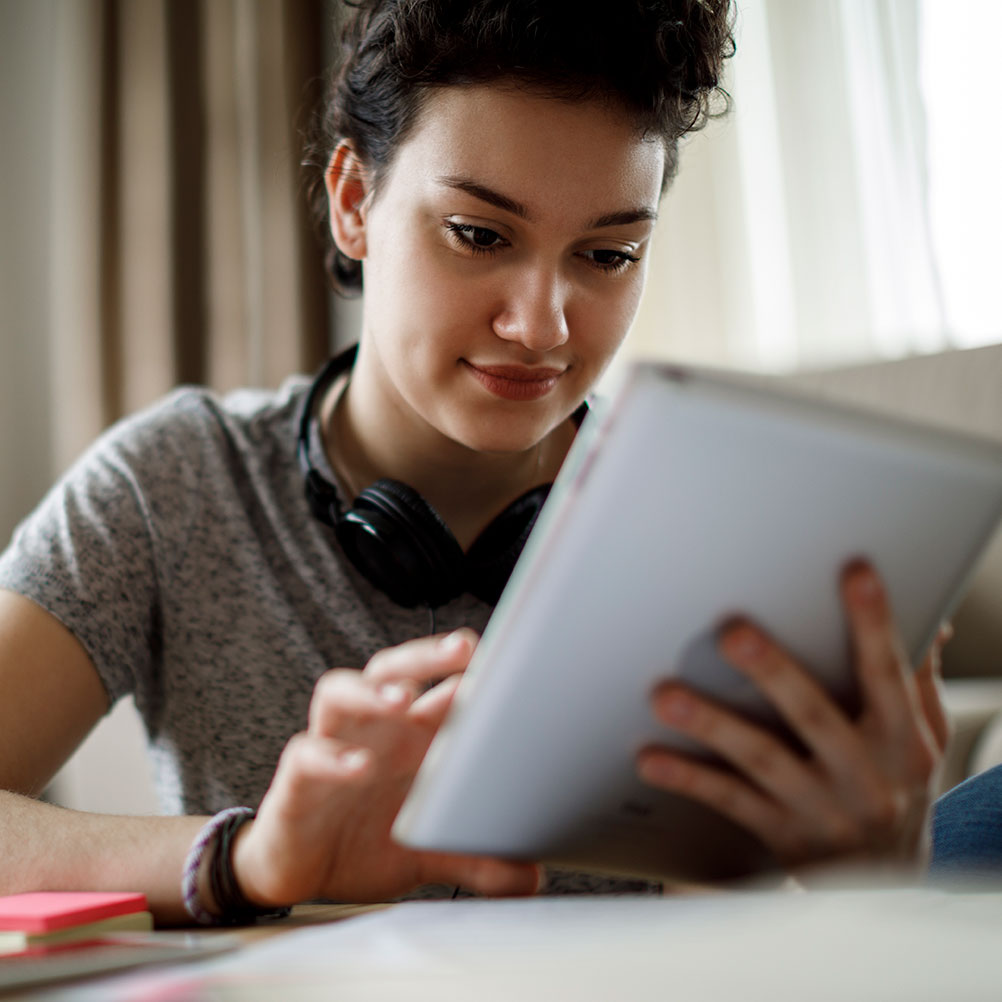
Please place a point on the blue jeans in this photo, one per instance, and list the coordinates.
(967, 832)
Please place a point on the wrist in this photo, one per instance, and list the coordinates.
(211, 891)
(248, 871)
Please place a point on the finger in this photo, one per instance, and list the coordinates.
(802, 702)
(756, 753)
(432, 707)
(725, 793)
(881, 664)
(310, 765)
(893, 705)
(483, 875)
(822, 831)
(928, 682)
(425, 659)
(344, 696)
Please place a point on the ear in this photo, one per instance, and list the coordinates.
(347, 186)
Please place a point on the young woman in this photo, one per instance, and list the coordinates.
(494, 169)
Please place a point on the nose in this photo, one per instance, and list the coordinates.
(534, 311)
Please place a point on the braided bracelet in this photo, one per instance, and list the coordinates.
(234, 908)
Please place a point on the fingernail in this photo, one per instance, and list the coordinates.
(744, 644)
(538, 879)
(658, 768)
(865, 587)
(677, 707)
(452, 642)
(395, 695)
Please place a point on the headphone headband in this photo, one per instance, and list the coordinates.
(320, 492)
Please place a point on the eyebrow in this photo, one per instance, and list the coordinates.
(622, 217)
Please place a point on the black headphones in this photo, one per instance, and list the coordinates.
(399, 542)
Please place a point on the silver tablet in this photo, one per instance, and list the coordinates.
(695, 497)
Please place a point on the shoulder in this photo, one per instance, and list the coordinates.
(192, 415)
(194, 455)
(194, 426)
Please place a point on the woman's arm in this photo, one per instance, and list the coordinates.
(43, 847)
(50, 698)
(323, 829)
(50, 695)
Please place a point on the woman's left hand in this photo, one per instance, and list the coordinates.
(861, 794)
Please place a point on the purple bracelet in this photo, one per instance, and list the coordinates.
(189, 880)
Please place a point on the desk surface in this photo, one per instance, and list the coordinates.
(907, 945)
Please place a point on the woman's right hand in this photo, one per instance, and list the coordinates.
(323, 827)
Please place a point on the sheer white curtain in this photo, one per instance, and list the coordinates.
(962, 89)
(799, 234)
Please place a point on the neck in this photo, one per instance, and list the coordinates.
(367, 440)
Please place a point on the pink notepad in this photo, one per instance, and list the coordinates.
(45, 911)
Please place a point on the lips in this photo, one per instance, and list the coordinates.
(515, 382)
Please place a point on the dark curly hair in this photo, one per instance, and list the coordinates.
(661, 59)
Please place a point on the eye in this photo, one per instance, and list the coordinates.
(611, 261)
(479, 239)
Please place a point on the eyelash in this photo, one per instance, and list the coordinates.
(462, 234)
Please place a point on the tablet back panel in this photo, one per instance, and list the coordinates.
(696, 498)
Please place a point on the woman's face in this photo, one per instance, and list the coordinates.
(504, 257)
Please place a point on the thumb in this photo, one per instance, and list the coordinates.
(494, 878)
(927, 681)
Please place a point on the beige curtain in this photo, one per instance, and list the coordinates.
(182, 250)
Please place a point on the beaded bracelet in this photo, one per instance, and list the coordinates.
(233, 906)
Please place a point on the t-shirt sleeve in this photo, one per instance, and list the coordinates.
(99, 549)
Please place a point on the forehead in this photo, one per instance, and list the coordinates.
(552, 154)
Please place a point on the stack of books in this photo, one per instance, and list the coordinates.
(50, 936)
(48, 919)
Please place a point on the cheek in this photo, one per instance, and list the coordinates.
(604, 320)
(413, 289)
(630, 302)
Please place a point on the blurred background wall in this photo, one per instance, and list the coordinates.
(25, 241)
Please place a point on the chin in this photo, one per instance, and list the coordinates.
(501, 428)
(501, 445)
(503, 436)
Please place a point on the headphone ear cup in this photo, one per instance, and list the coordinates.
(493, 555)
(400, 543)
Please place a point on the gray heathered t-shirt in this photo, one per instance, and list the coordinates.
(181, 552)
